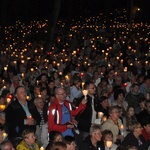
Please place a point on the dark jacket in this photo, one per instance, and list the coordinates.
(84, 119)
(15, 116)
(131, 140)
(37, 117)
(87, 145)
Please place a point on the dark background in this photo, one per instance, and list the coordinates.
(26, 10)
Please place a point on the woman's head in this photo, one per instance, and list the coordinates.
(130, 111)
(118, 94)
(55, 136)
(136, 128)
(114, 112)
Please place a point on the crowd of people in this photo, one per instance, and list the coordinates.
(90, 92)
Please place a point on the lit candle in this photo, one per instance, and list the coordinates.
(104, 118)
(125, 69)
(5, 68)
(28, 97)
(85, 92)
(122, 129)
(4, 135)
(32, 69)
(108, 144)
(42, 148)
(100, 115)
(29, 117)
(39, 95)
(22, 75)
(8, 100)
(83, 85)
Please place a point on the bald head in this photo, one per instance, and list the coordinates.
(60, 94)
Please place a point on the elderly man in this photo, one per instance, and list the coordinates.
(60, 113)
(18, 115)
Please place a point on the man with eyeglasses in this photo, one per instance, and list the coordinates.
(60, 113)
(88, 116)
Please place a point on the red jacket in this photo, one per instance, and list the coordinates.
(55, 115)
(145, 134)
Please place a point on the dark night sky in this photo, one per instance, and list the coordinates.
(40, 9)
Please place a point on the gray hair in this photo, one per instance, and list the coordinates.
(94, 128)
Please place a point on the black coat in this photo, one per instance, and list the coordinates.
(87, 145)
(15, 116)
(84, 119)
(131, 140)
(36, 115)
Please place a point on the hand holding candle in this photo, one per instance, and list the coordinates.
(30, 121)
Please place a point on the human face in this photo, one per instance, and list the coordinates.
(59, 138)
(147, 128)
(71, 146)
(97, 135)
(136, 89)
(120, 97)
(2, 120)
(91, 89)
(105, 103)
(21, 94)
(51, 85)
(131, 111)
(108, 137)
(138, 129)
(37, 90)
(9, 146)
(115, 114)
(39, 103)
(61, 95)
(30, 138)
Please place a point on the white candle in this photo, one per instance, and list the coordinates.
(85, 92)
(4, 135)
(108, 144)
(8, 100)
(100, 115)
(122, 129)
(42, 148)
